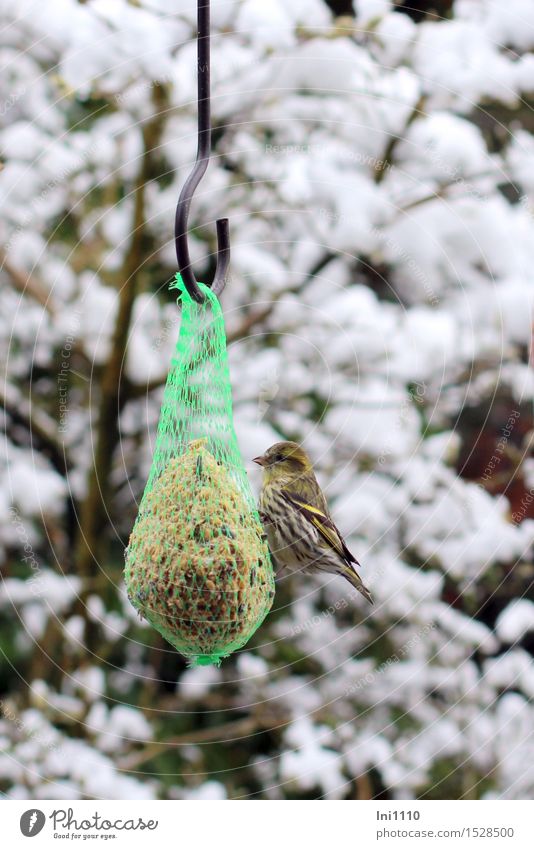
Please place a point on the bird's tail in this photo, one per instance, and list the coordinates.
(350, 573)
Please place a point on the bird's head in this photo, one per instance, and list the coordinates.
(284, 460)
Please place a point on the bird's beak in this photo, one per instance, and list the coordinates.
(261, 461)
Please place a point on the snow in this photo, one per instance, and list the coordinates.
(95, 773)
(444, 146)
(388, 428)
(98, 304)
(510, 26)
(269, 26)
(251, 666)
(371, 10)
(511, 670)
(90, 681)
(379, 182)
(57, 590)
(396, 34)
(196, 682)
(35, 490)
(515, 621)
(311, 764)
(116, 727)
(460, 65)
(212, 791)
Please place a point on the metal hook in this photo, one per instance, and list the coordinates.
(201, 164)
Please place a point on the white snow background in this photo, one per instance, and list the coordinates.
(378, 177)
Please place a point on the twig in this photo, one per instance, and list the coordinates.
(364, 788)
(440, 191)
(38, 425)
(27, 284)
(253, 320)
(134, 391)
(227, 732)
(387, 160)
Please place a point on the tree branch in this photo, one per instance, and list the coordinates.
(27, 284)
(134, 391)
(38, 425)
(386, 162)
(227, 732)
(443, 188)
(96, 507)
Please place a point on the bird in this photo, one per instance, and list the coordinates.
(295, 515)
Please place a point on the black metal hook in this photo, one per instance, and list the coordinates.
(201, 164)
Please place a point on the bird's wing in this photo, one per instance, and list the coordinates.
(324, 524)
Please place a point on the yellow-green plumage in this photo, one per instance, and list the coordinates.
(298, 524)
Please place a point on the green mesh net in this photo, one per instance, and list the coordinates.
(197, 563)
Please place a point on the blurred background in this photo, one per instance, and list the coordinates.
(376, 161)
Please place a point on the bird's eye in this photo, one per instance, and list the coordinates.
(278, 458)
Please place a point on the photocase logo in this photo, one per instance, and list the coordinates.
(32, 822)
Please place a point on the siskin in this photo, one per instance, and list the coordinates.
(299, 528)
